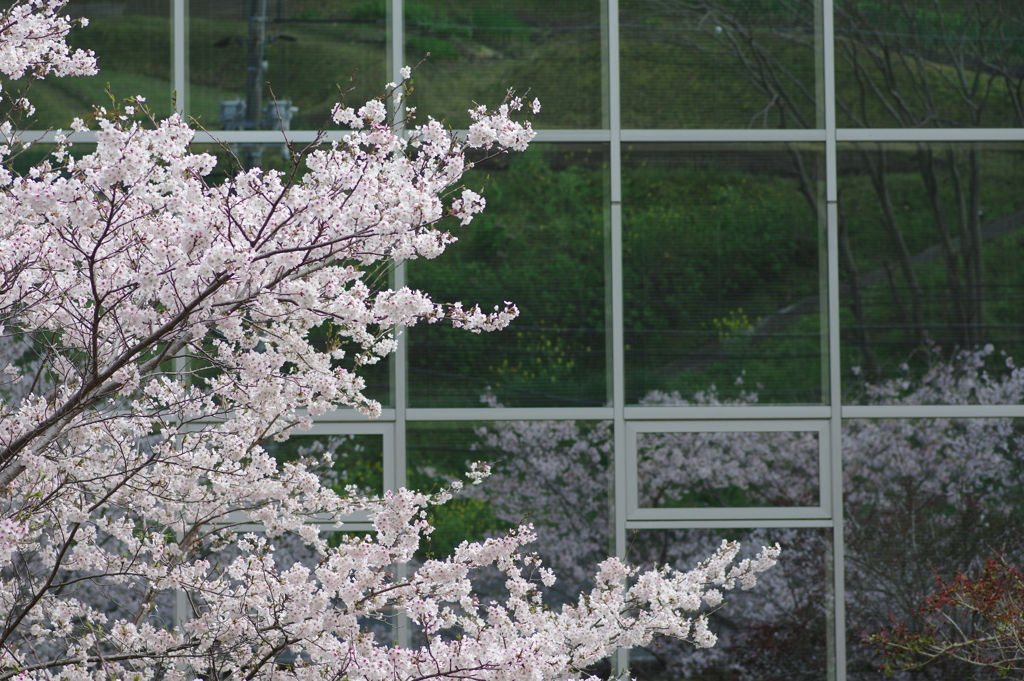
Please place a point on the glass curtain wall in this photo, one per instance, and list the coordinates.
(767, 256)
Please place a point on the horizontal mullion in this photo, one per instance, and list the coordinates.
(342, 414)
(744, 135)
(754, 514)
(512, 414)
(349, 415)
(297, 136)
(237, 519)
(347, 527)
(322, 428)
(573, 136)
(934, 411)
(585, 136)
(929, 134)
(724, 524)
(745, 413)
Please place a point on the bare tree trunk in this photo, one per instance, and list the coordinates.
(892, 228)
(872, 370)
(974, 226)
(926, 158)
(969, 204)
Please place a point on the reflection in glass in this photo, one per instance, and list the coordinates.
(727, 470)
(539, 244)
(720, 64)
(478, 49)
(246, 54)
(723, 271)
(776, 630)
(912, 64)
(340, 460)
(436, 454)
(554, 474)
(930, 245)
(923, 498)
(900, 63)
(132, 42)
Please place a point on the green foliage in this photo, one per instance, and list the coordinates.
(369, 10)
(308, 71)
(435, 48)
(702, 241)
(357, 459)
(133, 54)
(710, 249)
(438, 454)
(540, 243)
(480, 49)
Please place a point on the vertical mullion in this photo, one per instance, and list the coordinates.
(398, 462)
(179, 56)
(401, 391)
(828, 56)
(399, 377)
(396, 59)
(179, 63)
(618, 371)
(396, 48)
(835, 375)
(614, 107)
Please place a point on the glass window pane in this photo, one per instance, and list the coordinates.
(930, 247)
(539, 244)
(244, 54)
(723, 269)
(924, 499)
(132, 42)
(720, 64)
(727, 469)
(921, 63)
(554, 474)
(436, 454)
(480, 48)
(776, 630)
(342, 460)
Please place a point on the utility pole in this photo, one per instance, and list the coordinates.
(255, 64)
(250, 113)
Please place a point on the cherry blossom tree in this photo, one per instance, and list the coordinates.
(158, 327)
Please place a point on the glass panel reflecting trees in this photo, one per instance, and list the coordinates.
(914, 63)
(924, 499)
(721, 64)
(475, 50)
(727, 469)
(723, 271)
(541, 245)
(930, 237)
(132, 41)
(246, 54)
(776, 630)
